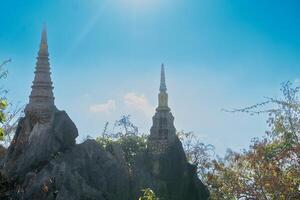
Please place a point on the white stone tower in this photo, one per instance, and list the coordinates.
(41, 100)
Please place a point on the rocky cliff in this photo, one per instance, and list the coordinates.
(169, 175)
(43, 162)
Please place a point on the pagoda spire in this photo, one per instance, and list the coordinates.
(162, 132)
(163, 87)
(163, 95)
(41, 99)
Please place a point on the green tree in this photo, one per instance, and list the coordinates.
(197, 153)
(3, 100)
(9, 114)
(148, 194)
(270, 168)
(126, 135)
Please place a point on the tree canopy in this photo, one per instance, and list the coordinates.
(270, 168)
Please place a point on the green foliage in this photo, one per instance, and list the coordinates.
(3, 100)
(9, 114)
(148, 194)
(130, 144)
(270, 168)
(3, 106)
(197, 153)
(1, 134)
(127, 137)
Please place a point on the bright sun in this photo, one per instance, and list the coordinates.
(140, 4)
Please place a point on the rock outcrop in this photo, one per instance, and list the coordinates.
(169, 175)
(43, 162)
(2, 152)
(34, 144)
(85, 172)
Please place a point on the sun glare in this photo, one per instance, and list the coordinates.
(140, 4)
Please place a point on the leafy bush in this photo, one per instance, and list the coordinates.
(9, 114)
(148, 194)
(3, 101)
(127, 137)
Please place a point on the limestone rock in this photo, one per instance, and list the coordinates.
(179, 176)
(2, 152)
(44, 162)
(35, 144)
(169, 175)
(85, 172)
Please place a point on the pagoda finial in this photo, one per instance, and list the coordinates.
(163, 87)
(44, 45)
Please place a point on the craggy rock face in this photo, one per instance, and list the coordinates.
(2, 152)
(179, 176)
(169, 175)
(85, 172)
(43, 162)
(34, 145)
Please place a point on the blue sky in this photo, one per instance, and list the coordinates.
(106, 55)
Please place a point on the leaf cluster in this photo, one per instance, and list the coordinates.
(127, 137)
(148, 194)
(9, 114)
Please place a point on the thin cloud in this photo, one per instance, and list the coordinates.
(297, 81)
(139, 103)
(105, 108)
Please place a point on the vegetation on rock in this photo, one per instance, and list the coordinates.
(269, 169)
(148, 194)
(125, 135)
(9, 114)
(3, 100)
